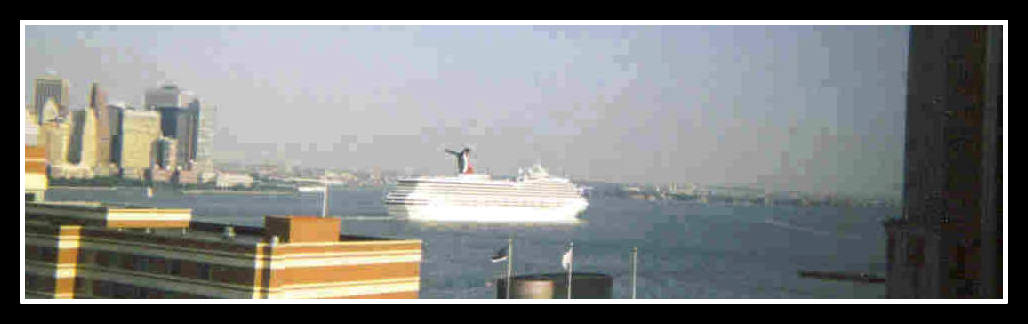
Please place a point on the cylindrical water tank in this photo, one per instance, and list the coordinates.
(554, 286)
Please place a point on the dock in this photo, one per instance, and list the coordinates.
(863, 277)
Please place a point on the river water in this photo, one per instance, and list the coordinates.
(685, 250)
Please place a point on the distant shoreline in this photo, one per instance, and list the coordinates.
(104, 188)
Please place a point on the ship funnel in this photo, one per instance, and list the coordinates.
(463, 160)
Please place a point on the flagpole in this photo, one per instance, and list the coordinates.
(571, 267)
(510, 259)
(635, 261)
(324, 196)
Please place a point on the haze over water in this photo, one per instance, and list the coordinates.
(706, 104)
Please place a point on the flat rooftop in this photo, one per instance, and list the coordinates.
(177, 223)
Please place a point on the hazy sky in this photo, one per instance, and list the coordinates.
(643, 103)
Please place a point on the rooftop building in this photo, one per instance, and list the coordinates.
(35, 173)
(52, 87)
(139, 131)
(95, 250)
(167, 95)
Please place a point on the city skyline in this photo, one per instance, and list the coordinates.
(640, 103)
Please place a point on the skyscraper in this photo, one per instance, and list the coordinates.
(82, 148)
(114, 122)
(140, 129)
(164, 153)
(948, 242)
(51, 86)
(101, 116)
(207, 124)
(181, 124)
(167, 95)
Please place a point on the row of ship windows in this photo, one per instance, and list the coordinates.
(504, 203)
(488, 188)
(508, 196)
(493, 188)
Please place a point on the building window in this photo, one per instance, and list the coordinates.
(103, 289)
(114, 260)
(175, 267)
(140, 263)
(102, 258)
(157, 265)
(204, 271)
(124, 291)
(140, 292)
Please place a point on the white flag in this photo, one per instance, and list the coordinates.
(566, 260)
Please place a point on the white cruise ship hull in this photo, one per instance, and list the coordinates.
(490, 214)
(476, 198)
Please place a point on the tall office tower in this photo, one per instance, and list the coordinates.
(52, 86)
(82, 148)
(948, 242)
(180, 124)
(31, 127)
(54, 134)
(140, 129)
(55, 138)
(167, 95)
(114, 117)
(101, 116)
(205, 137)
(164, 153)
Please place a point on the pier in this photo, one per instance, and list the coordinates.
(843, 275)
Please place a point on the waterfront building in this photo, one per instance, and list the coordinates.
(36, 181)
(105, 130)
(948, 241)
(160, 175)
(186, 177)
(82, 148)
(140, 129)
(115, 114)
(229, 180)
(94, 250)
(53, 87)
(207, 176)
(206, 125)
(180, 123)
(31, 127)
(70, 143)
(54, 135)
(164, 153)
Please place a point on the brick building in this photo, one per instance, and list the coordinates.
(93, 250)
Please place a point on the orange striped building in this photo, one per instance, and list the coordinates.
(35, 173)
(92, 250)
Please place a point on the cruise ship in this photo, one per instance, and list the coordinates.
(533, 197)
